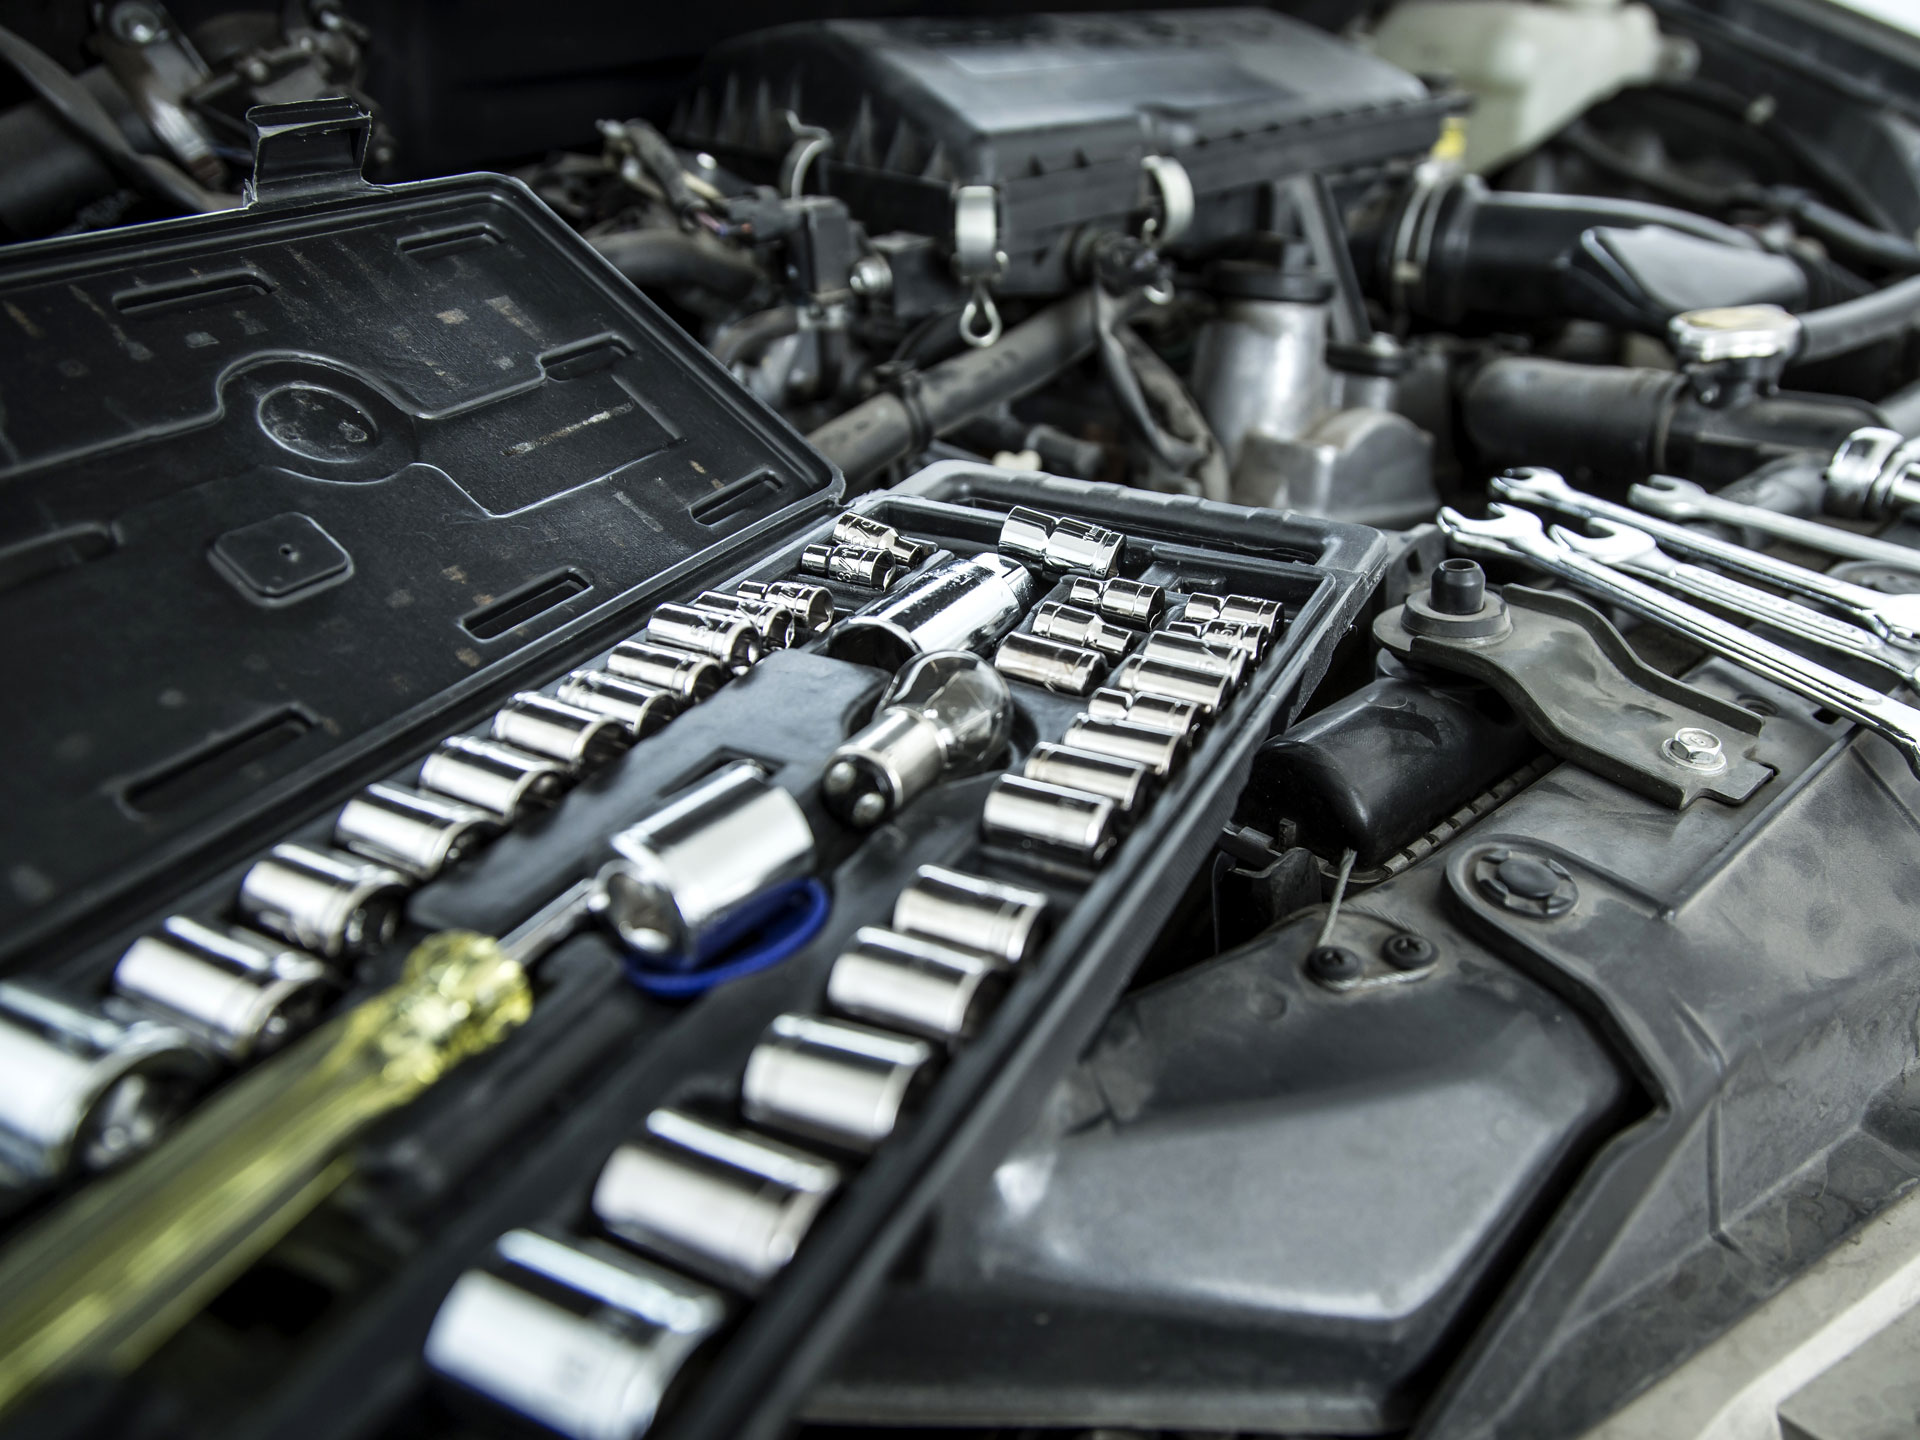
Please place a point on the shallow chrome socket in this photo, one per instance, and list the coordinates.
(724, 1203)
(325, 901)
(502, 780)
(577, 1335)
(80, 1089)
(1020, 812)
(577, 737)
(991, 917)
(1225, 636)
(1129, 602)
(810, 605)
(1065, 669)
(1194, 653)
(773, 623)
(1265, 616)
(1074, 626)
(1205, 690)
(1127, 783)
(1152, 712)
(873, 569)
(641, 708)
(416, 833)
(1060, 544)
(241, 993)
(912, 983)
(681, 673)
(863, 532)
(1158, 750)
(734, 642)
(845, 1084)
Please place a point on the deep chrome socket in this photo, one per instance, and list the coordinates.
(678, 672)
(1127, 601)
(1158, 750)
(773, 623)
(1205, 690)
(1194, 653)
(810, 605)
(873, 569)
(733, 642)
(325, 901)
(911, 983)
(579, 1336)
(1074, 626)
(243, 994)
(577, 737)
(1021, 812)
(1152, 712)
(1264, 615)
(847, 1085)
(83, 1090)
(502, 780)
(416, 833)
(1127, 783)
(863, 532)
(1066, 669)
(641, 708)
(1060, 544)
(727, 1204)
(996, 919)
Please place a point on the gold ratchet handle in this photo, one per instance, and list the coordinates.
(105, 1278)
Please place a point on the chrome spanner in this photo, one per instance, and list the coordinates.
(1514, 534)
(1682, 500)
(1636, 553)
(1895, 616)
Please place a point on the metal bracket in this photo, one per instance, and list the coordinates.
(1175, 188)
(1589, 699)
(978, 259)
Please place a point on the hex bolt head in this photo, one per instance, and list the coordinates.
(1333, 964)
(1407, 951)
(1697, 749)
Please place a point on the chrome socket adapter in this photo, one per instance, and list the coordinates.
(578, 1336)
(986, 916)
(1128, 602)
(241, 993)
(847, 1085)
(1061, 544)
(911, 983)
(1053, 664)
(1152, 712)
(417, 834)
(502, 780)
(810, 605)
(641, 708)
(1205, 690)
(1073, 626)
(1021, 812)
(727, 1204)
(329, 903)
(578, 738)
(945, 714)
(1127, 783)
(681, 673)
(734, 642)
(963, 605)
(870, 569)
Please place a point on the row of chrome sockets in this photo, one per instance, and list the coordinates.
(83, 1086)
(585, 1336)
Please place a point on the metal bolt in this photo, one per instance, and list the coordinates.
(1407, 951)
(1333, 964)
(871, 275)
(1697, 749)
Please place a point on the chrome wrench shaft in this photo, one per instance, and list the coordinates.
(1682, 500)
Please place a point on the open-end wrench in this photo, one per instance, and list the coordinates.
(1682, 500)
(1514, 534)
(1634, 552)
(1895, 616)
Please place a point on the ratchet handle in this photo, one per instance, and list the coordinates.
(105, 1278)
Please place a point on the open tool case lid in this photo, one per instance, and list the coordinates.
(281, 487)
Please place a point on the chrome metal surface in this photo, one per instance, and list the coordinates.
(874, 569)
(1021, 812)
(1068, 669)
(1682, 500)
(734, 643)
(827, 1080)
(503, 780)
(1060, 544)
(774, 624)
(1130, 602)
(641, 708)
(1196, 654)
(678, 672)
(325, 901)
(963, 605)
(911, 983)
(1263, 615)
(1205, 690)
(1158, 750)
(1127, 783)
(989, 916)
(855, 531)
(419, 834)
(576, 736)
(1180, 718)
(945, 714)
(1074, 626)
(810, 605)
(238, 992)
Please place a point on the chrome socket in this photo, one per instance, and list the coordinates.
(1021, 812)
(579, 1335)
(733, 642)
(1205, 690)
(810, 605)
(1263, 615)
(724, 1203)
(701, 860)
(962, 605)
(332, 904)
(847, 1085)
(641, 708)
(241, 993)
(418, 835)
(1158, 750)
(773, 623)
(578, 738)
(1073, 626)
(872, 569)
(502, 780)
(863, 532)
(1152, 712)
(911, 983)
(1060, 544)
(1128, 602)
(1228, 637)
(990, 917)
(1195, 654)
(681, 673)
(83, 1090)
(1127, 783)
(1065, 669)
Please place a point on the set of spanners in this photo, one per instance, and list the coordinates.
(1682, 500)
(1515, 534)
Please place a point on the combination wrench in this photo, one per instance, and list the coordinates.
(1682, 500)
(1896, 617)
(1513, 534)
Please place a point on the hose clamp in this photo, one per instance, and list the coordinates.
(978, 260)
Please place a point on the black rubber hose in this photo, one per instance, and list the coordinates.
(663, 259)
(745, 339)
(887, 428)
(1856, 324)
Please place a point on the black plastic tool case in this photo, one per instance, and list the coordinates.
(324, 1337)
